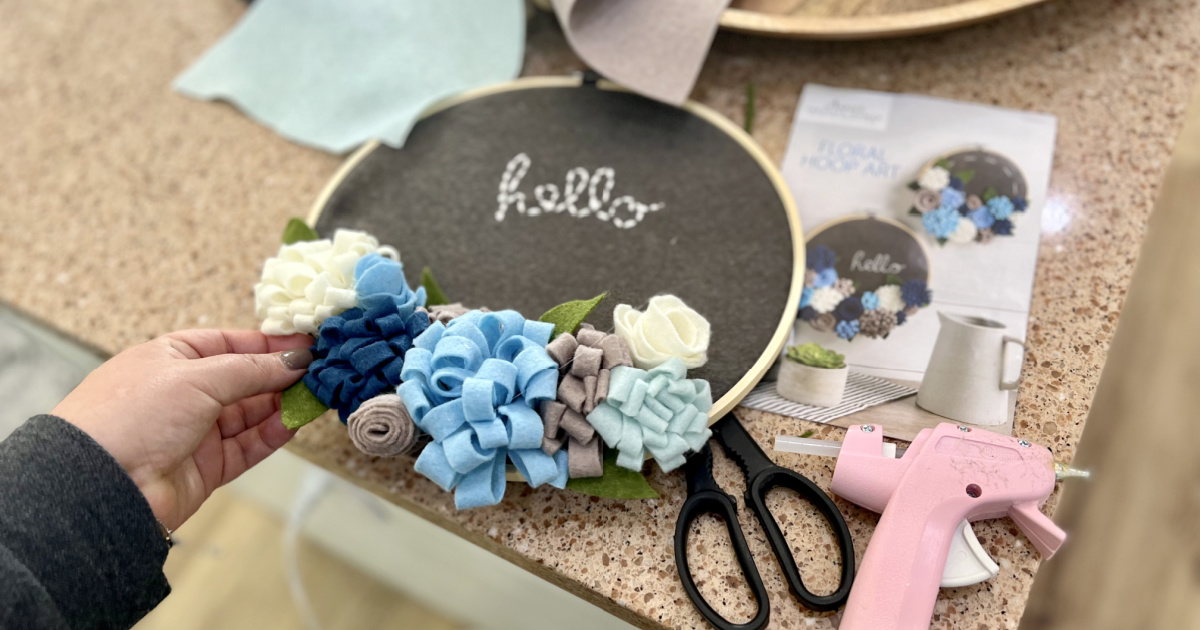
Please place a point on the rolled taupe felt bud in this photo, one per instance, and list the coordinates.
(382, 427)
(576, 426)
(446, 312)
(615, 352)
(590, 385)
(585, 459)
(589, 336)
(586, 361)
(552, 413)
(562, 349)
(553, 445)
(571, 392)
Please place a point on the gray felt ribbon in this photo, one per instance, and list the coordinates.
(585, 360)
(382, 427)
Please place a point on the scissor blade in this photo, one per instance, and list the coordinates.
(740, 447)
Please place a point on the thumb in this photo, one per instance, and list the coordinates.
(228, 378)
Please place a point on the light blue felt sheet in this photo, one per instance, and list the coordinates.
(333, 74)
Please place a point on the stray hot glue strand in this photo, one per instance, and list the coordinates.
(382, 427)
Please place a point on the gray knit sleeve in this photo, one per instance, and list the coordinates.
(79, 546)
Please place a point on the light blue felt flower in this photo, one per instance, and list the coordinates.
(472, 385)
(825, 278)
(1001, 207)
(848, 329)
(659, 410)
(870, 301)
(941, 223)
(806, 296)
(952, 198)
(981, 217)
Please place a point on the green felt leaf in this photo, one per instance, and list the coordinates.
(433, 293)
(914, 212)
(297, 230)
(914, 186)
(989, 193)
(892, 278)
(808, 433)
(567, 317)
(966, 176)
(941, 241)
(750, 107)
(616, 483)
(944, 163)
(299, 406)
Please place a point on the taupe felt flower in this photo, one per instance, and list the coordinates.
(974, 202)
(824, 322)
(876, 323)
(382, 427)
(585, 361)
(926, 200)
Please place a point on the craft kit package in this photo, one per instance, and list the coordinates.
(855, 152)
(923, 219)
(612, 274)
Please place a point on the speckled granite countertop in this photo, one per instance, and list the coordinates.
(129, 211)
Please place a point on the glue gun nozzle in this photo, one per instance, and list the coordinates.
(1063, 471)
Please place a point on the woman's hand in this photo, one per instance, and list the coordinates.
(188, 412)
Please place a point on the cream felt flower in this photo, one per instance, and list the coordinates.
(309, 281)
(825, 299)
(668, 328)
(890, 298)
(964, 233)
(935, 178)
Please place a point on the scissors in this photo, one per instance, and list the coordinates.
(762, 475)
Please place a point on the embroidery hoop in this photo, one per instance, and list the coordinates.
(871, 216)
(782, 330)
(976, 148)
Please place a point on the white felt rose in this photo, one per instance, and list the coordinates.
(889, 295)
(825, 299)
(309, 281)
(668, 328)
(965, 232)
(935, 178)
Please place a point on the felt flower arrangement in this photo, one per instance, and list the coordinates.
(832, 304)
(470, 390)
(948, 213)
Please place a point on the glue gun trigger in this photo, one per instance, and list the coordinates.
(967, 563)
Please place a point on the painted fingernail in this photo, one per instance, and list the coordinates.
(296, 359)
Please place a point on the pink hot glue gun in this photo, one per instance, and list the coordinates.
(949, 475)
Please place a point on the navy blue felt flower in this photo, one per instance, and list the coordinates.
(915, 293)
(808, 313)
(820, 258)
(901, 317)
(849, 309)
(956, 183)
(1002, 227)
(1019, 204)
(359, 353)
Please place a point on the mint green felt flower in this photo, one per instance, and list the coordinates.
(658, 410)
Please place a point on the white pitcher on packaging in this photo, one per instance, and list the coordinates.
(965, 377)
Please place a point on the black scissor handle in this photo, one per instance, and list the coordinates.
(779, 477)
(721, 504)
